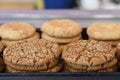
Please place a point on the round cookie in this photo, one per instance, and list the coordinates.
(61, 28)
(104, 31)
(118, 51)
(93, 68)
(88, 53)
(111, 42)
(16, 30)
(8, 42)
(32, 53)
(57, 68)
(111, 69)
(60, 40)
(33, 68)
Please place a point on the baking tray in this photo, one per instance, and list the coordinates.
(37, 18)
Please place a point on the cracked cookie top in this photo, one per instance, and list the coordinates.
(32, 53)
(88, 52)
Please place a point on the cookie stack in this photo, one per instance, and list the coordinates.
(108, 32)
(17, 31)
(32, 56)
(118, 53)
(89, 56)
(61, 31)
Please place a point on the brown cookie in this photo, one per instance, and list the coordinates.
(111, 69)
(36, 52)
(92, 68)
(32, 68)
(56, 68)
(111, 42)
(88, 53)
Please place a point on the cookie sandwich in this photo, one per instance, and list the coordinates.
(108, 32)
(89, 56)
(12, 32)
(32, 56)
(61, 31)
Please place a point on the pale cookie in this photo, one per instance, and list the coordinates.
(88, 52)
(8, 42)
(62, 28)
(33, 53)
(56, 68)
(16, 30)
(93, 68)
(60, 40)
(104, 31)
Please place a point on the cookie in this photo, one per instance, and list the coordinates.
(8, 42)
(35, 52)
(104, 31)
(93, 68)
(111, 69)
(1, 46)
(33, 68)
(16, 30)
(60, 40)
(57, 68)
(61, 28)
(111, 42)
(118, 51)
(88, 53)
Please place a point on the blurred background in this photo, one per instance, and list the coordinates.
(38, 11)
(59, 4)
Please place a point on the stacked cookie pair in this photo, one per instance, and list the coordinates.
(89, 56)
(61, 31)
(17, 31)
(118, 53)
(32, 56)
(108, 32)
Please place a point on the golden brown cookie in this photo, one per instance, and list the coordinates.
(111, 69)
(61, 28)
(88, 52)
(104, 31)
(8, 42)
(93, 68)
(36, 52)
(118, 51)
(56, 68)
(16, 30)
(33, 68)
(111, 42)
(60, 40)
